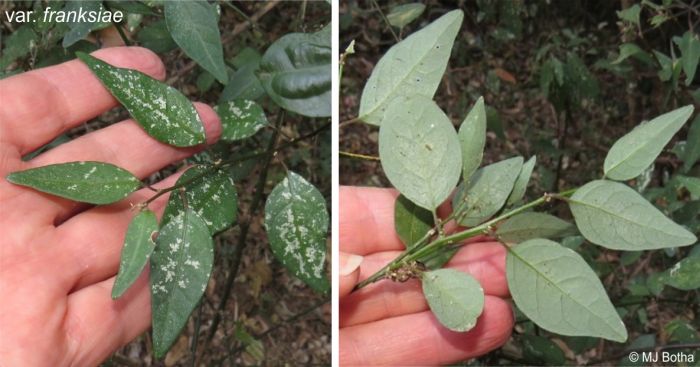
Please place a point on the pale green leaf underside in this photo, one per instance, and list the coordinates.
(401, 15)
(526, 226)
(635, 151)
(615, 216)
(85, 181)
(213, 198)
(413, 66)
(180, 268)
(138, 246)
(419, 151)
(296, 72)
(165, 113)
(411, 222)
(555, 288)
(685, 274)
(472, 138)
(520, 186)
(240, 119)
(488, 190)
(455, 298)
(296, 221)
(193, 26)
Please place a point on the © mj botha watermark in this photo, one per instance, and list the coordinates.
(662, 356)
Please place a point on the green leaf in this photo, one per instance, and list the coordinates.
(472, 138)
(194, 27)
(692, 184)
(88, 182)
(521, 182)
(554, 287)
(180, 268)
(630, 14)
(296, 72)
(138, 246)
(685, 274)
(455, 298)
(690, 51)
(635, 151)
(240, 119)
(413, 66)
(79, 29)
(487, 191)
(254, 347)
(615, 216)
(526, 226)
(213, 198)
(166, 114)
(401, 15)
(244, 84)
(156, 37)
(18, 44)
(540, 350)
(628, 50)
(419, 151)
(296, 220)
(411, 222)
(691, 152)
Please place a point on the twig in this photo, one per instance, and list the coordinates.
(358, 156)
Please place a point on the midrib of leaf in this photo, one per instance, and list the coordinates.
(637, 149)
(554, 285)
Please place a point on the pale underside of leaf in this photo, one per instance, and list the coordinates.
(557, 290)
(615, 216)
(526, 226)
(413, 66)
(520, 186)
(455, 298)
(472, 138)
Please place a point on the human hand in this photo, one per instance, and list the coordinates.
(58, 258)
(387, 323)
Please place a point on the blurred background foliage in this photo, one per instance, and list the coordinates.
(563, 80)
(253, 311)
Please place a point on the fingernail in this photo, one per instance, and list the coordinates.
(352, 262)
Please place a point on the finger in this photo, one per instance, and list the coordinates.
(419, 339)
(349, 272)
(97, 325)
(41, 104)
(94, 239)
(126, 145)
(367, 220)
(384, 299)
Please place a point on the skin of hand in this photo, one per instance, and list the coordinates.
(58, 258)
(390, 323)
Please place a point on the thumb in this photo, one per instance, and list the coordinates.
(349, 272)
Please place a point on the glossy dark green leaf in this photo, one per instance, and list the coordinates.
(79, 29)
(526, 226)
(411, 222)
(88, 182)
(401, 15)
(472, 138)
(414, 66)
(180, 268)
(296, 220)
(615, 216)
(194, 27)
(635, 151)
(487, 191)
(554, 287)
(165, 113)
(138, 246)
(240, 119)
(691, 152)
(419, 151)
(521, 182)
(213, 198)
(685, 274)
(456, 298)
(296, 72)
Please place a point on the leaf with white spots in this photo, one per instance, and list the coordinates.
(165, 113)
(180, 268)
(296, 220)
(558, 290)
(88, 182)
(456, 298)
(240, 119)
(138, 246)
(211, 195)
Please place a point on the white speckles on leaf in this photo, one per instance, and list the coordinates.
(240, 119)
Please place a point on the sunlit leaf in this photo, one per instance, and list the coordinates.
(138, 246)
(455, 298)
(555, 288)
(165, 114)
(88, 182)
